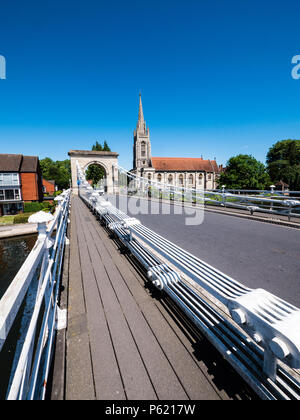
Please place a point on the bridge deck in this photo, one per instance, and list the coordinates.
(124, 339)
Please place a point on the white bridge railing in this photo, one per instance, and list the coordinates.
(272, 202)
(266, 355)
(32, 296)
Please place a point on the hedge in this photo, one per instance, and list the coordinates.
(21, 218)
(33, 207)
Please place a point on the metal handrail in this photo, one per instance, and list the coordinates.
(277, 203)
(272, 323)
(40, 274)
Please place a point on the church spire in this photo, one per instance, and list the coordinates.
(141, 121)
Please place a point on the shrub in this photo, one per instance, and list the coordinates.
(57, 193)
(46, 205)
(49, 206)
(33, 207)
(21, 218)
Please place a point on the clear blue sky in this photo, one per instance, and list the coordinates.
(215, 76)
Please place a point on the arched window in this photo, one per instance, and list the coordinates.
(149, 176)
(159, 177)
(191, 179)
(180, 179)
(143, 149)
(170, 179)
(200, 178)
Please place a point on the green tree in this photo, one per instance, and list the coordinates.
(95, 173)
(244, 172)
(283, 163)
(58, 171)
(99, 148)
(106, 147)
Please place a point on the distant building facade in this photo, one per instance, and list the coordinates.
(49, 187)
(180, 172)
(20, 181)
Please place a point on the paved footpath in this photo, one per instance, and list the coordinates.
(126, 340)
(9, 231)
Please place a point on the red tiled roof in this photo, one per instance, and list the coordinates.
(184, 164)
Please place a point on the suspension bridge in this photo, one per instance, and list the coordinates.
(130, 296)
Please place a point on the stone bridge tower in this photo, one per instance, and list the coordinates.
(106, 160)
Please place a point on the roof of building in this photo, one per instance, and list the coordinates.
(29, 164)
(184, 164)
(10, 163)
(91, 153)
(49, 181)
(281, 183)
(18, 163)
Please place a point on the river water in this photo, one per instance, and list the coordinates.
(13, 253)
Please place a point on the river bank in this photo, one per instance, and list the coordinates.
(10, 231)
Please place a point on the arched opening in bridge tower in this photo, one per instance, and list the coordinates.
(96, 175)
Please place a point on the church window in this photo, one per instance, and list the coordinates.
(143, 149)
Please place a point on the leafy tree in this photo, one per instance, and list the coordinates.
(58, 171)
(95, 173)
(99, 148)
(283, 163)
(106, 147)
(244, 172)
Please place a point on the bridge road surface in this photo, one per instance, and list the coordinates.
(125, 339)
(257, 254)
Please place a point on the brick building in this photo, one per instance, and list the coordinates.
(20, 181)
(49, 187)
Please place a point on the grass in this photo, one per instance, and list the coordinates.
(9, 220)
(6, 220)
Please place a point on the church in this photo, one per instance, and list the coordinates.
(180, 172)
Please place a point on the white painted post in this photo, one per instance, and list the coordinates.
(42, 218)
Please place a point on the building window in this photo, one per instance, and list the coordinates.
(10, 195)
(170, 179)
(209, 177)
(11, 209)
(180, 179)
(143, 149)
(191, 180)
(9, 179)
(159, 177)
(200, 178)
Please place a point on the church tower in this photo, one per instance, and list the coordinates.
(142, 146)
